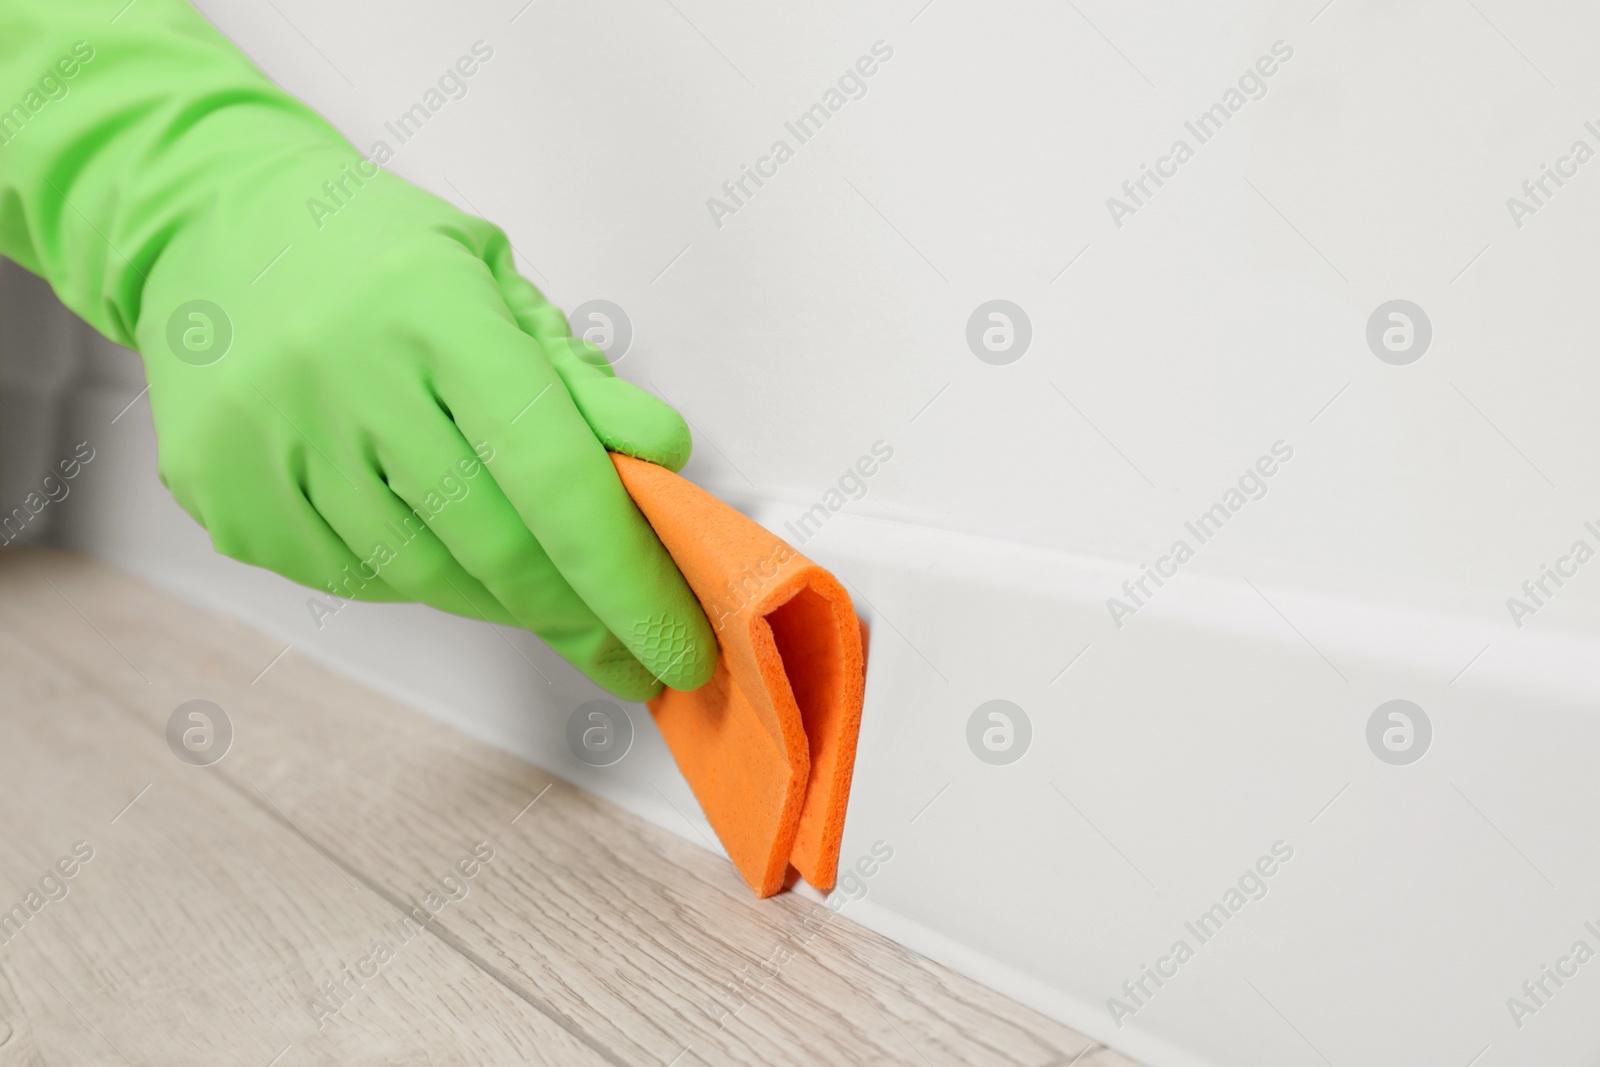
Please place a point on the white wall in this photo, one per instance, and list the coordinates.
(1228, 313)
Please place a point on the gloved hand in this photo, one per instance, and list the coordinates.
(350, 382)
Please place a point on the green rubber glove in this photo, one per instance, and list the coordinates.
(350, 382)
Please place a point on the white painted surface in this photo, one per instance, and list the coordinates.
(1226, 315)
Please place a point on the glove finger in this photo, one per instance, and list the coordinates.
(300, 544)
(304, 548)
(478, 526)
(624, 417)
(557, 476)
(536, 316)
(386, 545)
(392, 542)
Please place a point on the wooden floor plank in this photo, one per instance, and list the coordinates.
(197, 929)
(648, 946)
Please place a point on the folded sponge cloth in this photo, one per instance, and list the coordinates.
(769, 744)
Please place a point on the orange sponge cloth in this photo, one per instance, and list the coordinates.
(769, 744)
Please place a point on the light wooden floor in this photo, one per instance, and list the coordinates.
(220, 900)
